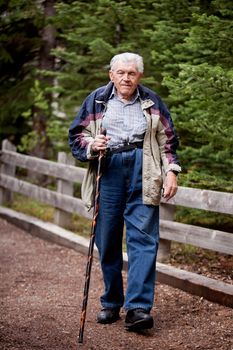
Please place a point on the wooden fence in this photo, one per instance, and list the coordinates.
(66, 174)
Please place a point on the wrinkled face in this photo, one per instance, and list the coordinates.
(125, 77)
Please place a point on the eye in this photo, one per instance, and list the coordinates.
(120, 72)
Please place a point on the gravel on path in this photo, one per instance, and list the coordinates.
(41, 290)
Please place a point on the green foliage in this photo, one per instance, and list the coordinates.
(57, 133)
(31, 207)
(201, 96)
(187, 47)
(38, 103)
(28, 141)
(222, 222)
(90, 34)
(38, 96)
(42, 211)
(204, 99)
(172, 19)
(19, 42)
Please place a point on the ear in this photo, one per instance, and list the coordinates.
(110, 75)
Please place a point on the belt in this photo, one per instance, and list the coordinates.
(126, 147)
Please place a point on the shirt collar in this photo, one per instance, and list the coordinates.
(133, 98)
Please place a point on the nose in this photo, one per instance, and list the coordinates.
(126, 76)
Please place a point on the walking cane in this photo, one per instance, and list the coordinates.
(91, 246)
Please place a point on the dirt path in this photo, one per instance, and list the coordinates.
(41, 293)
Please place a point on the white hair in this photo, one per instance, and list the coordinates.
(127, 57)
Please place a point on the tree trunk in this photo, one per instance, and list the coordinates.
(46, 62)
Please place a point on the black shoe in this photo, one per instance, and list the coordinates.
(108, 315)
(138, 319)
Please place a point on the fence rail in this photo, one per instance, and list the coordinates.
(66, 174)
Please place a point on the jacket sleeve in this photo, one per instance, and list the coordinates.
(168, 140)
(81, 134)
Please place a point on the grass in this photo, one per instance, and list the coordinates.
(32, 207)
(26, 205)
(203, 218)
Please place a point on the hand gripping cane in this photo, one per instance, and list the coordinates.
(91, 246)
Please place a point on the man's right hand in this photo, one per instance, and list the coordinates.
(100, 143)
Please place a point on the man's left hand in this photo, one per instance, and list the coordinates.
(170, 185)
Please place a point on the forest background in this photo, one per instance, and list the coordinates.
(54, 53)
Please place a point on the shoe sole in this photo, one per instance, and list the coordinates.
(139, 325)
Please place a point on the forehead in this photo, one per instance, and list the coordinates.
(125, 66)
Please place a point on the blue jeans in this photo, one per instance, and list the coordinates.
(120, 202)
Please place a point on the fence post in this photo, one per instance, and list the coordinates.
(6, 196)
(61, 217)
(167, 212)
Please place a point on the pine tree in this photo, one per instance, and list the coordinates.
(91, 33)
(187, 51)
(41, 113)
(202, 94)
(19, 42)
(172, 20)
(26, 40)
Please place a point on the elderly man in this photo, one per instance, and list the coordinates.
(140, 151)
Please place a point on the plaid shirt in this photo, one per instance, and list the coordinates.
(124, 122)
